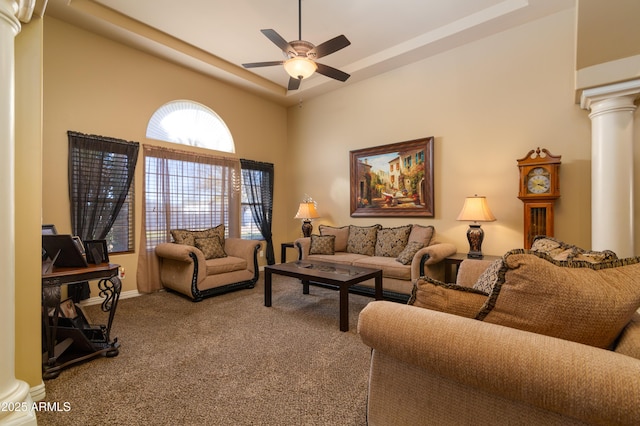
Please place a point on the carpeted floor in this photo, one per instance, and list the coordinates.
(227, 360)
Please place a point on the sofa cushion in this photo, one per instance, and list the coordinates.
(406, 256)
(451, 298)
(227, 264)
(391, 241)
(424, 234)
(322, 244)
(579, 301)
(187, 237)
(362, 239)
(341, 257)
(210, 247)
(390, 268)
(342, 235)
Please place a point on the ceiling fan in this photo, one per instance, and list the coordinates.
(301, 55)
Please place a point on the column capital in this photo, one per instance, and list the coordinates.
(630, 89)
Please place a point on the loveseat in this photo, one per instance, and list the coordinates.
(204, 263)
(552, 342)
(404, 253)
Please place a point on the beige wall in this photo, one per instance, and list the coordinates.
(93, 85)
(487, 104)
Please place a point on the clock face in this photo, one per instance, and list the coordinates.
(538, 181)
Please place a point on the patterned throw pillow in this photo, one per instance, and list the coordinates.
(342, 235)
(322, 244)
(488, 279)
(391, 241)
(406, 256)
(184, 236)
(210, 247)
(362, 239)
(559, 250)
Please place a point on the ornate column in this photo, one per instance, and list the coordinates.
(612, 108)
(14, 394)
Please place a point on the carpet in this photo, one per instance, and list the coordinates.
(227, 360)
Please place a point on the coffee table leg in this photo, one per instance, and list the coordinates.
(305, 286)
(267, 288)
(344, 307)
(378, 286)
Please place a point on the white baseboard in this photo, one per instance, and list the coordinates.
(98, 300)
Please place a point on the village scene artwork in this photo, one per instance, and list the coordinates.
(393, 180)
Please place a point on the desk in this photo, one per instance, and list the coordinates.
(79, 341)
(452, 262)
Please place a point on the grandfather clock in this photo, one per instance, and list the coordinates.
(539, 188)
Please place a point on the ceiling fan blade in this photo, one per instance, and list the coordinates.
(329, 47)
(262, 64)
(294, 83)
(332, 72)
(278, 41)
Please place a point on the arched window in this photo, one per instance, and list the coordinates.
(190, 123)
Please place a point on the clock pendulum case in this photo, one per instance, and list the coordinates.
(539, 188)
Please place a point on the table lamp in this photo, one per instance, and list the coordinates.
(475, 209)
(306, 212)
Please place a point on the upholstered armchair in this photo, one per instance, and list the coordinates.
(187, 270)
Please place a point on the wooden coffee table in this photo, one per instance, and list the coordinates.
(332, 275)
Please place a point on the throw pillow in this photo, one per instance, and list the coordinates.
(182, 236)
(322, 244)
(362, 239)
(342, 235)
(489, 278)
(391, 241)
(423, 234)
(559, 250)
(406, 256)
(451, 298)
(210, 247)
(584, 302)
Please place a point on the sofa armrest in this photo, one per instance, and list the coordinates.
(428, 261)
(186, 260)
(180, 252)
(303, 245)
(587, 383)
(245, 249)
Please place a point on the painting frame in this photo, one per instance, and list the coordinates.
(96, 251)
(394, 180)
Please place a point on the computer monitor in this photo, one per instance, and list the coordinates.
(63, 251)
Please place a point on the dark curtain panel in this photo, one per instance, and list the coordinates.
(101, 170)
(258, 179)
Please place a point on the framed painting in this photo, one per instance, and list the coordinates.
(393, 180)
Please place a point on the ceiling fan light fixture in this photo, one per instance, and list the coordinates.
(299, 67)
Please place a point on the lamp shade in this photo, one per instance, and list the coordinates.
(476, 209)
(299, 67)
(307, 211)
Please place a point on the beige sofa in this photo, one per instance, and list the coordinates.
(379, 247)
(185, 268)
(429, 366)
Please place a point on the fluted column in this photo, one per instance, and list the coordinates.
(14, 394)
(612, 174)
